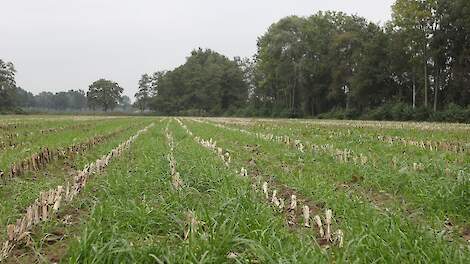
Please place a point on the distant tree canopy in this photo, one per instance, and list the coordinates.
(125, 103)
(312, 65)
(208, 83)
(13, 97)
(7, 85)
(329, 64)
(104, 93)
(72, 100)
(61, 101)
(143, 94)
(332, 62)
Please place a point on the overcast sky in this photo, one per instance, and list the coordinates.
(63, 44)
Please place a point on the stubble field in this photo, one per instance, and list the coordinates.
(229, 190)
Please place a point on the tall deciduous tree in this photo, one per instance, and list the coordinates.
(281, 53)
(7, 84)
(104, 93)
(144, 92)
(454, 39)
(208, 83)
(417, 18)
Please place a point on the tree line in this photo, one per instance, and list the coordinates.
(102, 95)
(207, 84)
(327, 65)
(330, 64)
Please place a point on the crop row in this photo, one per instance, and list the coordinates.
(377, 160)
(446, 187)
(16, 139)
(422, 126)
(370, 222)
(58, 140)
(57, 172)
(450, 141)
(37, 125)
(40, 159)
(214, 218)
(176, 180)
(193, 191)
(278, 195)
(48, 203)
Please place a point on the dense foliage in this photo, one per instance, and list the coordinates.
(203, 189)
(7, 84)
(207, 84)
(104, 93)
(70, 100)
(330, 64)
(415, 67)
(13, 98)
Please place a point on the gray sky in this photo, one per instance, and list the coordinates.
(63, 44)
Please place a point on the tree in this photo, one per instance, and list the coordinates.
(44, 100)
(333, 62)
(104, 93)
(61, 101)
(23, 98)
(347, 51)
(454, 45)
(7, 85)
(208, 83)
(77, 99)
(417, 18)
(281, 53)
(401, 61)
(312, 65)
(125, 103)
(143, 94)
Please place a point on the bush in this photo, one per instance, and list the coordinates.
(380, 113)
(336, 113)
(403, 112)
(452, 113)
(193, 112)
(391, 111)
(422, 114)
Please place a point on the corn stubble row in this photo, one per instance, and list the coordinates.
(49, 202)
(425, 126)
(209, 144)
(12, 139)
(40, 159)
(457, 147)
(341, 155)
(345, 155)
(429, 145)
(176, 180)
(324, 229)
(191, 222)
(325, 234)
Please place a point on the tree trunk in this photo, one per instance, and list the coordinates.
(312, 107)
(294, 87)
(293, 97)
(414, 90)
(425, 78)
(436, 88)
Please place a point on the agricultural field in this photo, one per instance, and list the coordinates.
(231, 190)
